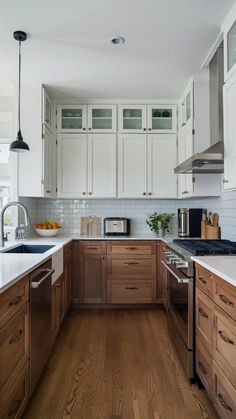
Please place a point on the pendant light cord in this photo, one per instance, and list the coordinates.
(19, 85)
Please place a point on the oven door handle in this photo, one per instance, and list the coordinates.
(180, 280)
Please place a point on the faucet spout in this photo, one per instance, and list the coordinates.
(10, 204)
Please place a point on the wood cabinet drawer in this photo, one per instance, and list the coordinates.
(16, 400)
(204, 319)
(13, 299)
(225, 296)
(224, 344)
(132, 248)
(204, 280)
(130, 292)
(224, 394)
(130, 266)
(14, 348)
(204, 365)
(93, 248)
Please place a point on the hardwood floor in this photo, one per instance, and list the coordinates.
(116, 364)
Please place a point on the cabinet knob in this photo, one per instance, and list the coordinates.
(84, 193)
(149, 193)
(225, 181)
(48, 191)
(144, 193)
(185, 192)
(90, 129)
(84, 129)
(149, 129)
(57, 285)
(90, 193)
(144, 129)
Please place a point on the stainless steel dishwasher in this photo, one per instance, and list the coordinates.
(40, 320)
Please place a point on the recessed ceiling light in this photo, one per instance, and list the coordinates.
(117, 40)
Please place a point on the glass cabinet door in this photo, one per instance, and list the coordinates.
(132, 118)
(71, 118)
(47, 110)
(162, 118)
(102, 118)
(231, 47)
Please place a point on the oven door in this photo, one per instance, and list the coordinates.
(180, 303)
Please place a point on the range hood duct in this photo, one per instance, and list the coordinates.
(211, 160)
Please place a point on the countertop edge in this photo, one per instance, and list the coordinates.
(205, 264)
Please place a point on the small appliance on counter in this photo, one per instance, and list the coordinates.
(189, 222)
(116, 226)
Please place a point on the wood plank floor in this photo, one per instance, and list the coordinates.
(116, 364)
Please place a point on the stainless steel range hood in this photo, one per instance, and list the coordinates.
(211, 160)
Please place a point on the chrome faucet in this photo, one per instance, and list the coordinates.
(17, 204)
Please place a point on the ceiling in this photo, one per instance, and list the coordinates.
(68, 48)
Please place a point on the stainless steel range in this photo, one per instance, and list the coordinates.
(181, 282)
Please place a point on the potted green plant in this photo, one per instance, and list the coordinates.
(159, 223)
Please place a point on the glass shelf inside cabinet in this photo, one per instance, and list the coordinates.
(161, 119)
(132, 119)
(231, 47)
(71, 118)
(102, 118)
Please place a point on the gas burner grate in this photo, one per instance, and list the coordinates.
(207, 247)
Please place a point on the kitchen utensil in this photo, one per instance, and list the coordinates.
(215, 219)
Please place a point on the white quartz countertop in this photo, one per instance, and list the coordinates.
(222, 266)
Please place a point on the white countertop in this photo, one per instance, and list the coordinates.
(222, 266)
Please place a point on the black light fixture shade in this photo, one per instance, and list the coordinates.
(19, 145)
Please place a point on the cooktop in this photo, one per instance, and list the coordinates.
(207, 247)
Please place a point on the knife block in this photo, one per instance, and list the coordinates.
(212, 232)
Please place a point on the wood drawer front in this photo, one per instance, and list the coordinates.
(204, 280)
(224, 394)
(130, 266)
(204, 365)
(225, 296)
(16, 400)
(224, 345)
(204, 319)
(68, 249)
(93, 248)
(14, 348)
(129, 249)
(130, 292)
(13, 299)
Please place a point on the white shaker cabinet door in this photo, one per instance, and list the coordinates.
(102, 166)
(47, 164)
(162, 181)
(230, 134)
(72, 157)
(132, 166)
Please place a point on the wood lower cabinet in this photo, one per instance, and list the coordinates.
(68, 256)
(14, 349)
(92, 272)
(216, 340)
(161, 275)
(58, 304)
(131, 272)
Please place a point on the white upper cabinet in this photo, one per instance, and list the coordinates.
(186, 107)
(162, 119)
(102, 118)
(132, 118)
(229, 91)
(146, 166)
(47, 181)
(71, 118)
(102, 165)
(162, 181)
(72, 165)
(132, 166)
(229, 31)
(47, 110)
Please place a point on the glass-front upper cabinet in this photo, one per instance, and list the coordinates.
(186, 112)
(71, 118)
(102, 118)
(162, 118)
(132, 118)
(230, 46)
(46, 109)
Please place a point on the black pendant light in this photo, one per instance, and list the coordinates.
(19, 145)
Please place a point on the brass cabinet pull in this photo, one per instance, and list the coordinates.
(223, 337)
(131, 288)
(202, 280)
(15, 408)
(58, 285)
(201, 367)
(202, 313)
(17, 337)
(226, 300)
(14, 302)
(223, 403)
(131, 263)
(131, 248)
(102, 257)
(92, 248)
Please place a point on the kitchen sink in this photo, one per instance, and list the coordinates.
(29, 248)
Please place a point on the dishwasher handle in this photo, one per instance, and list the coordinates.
(48, 272)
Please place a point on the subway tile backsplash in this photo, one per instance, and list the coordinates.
(69, 211)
